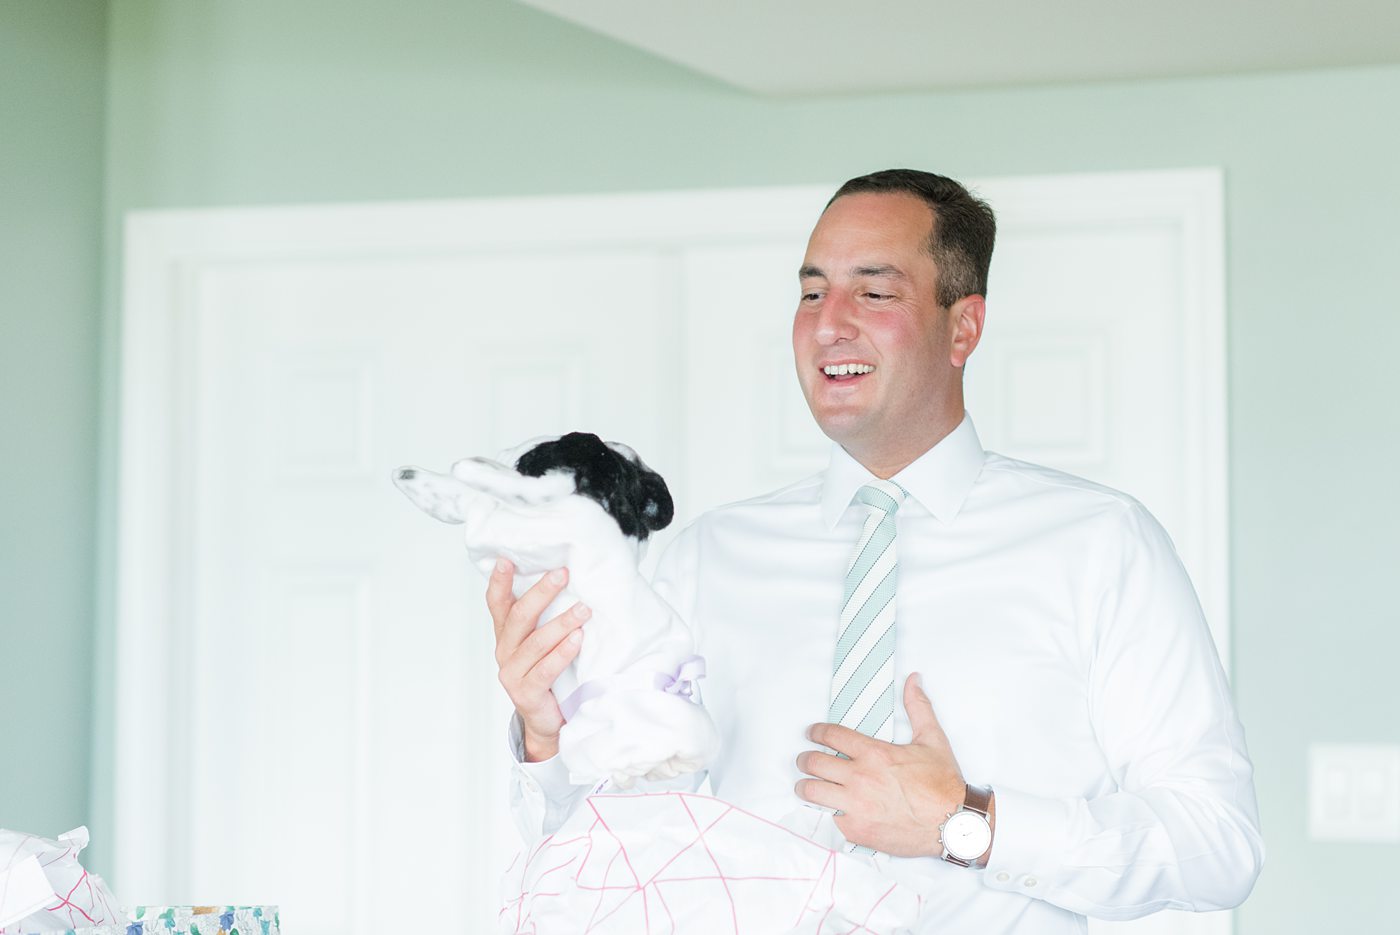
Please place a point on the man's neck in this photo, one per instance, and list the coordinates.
(887, 461)
(885, 469)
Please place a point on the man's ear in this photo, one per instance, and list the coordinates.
(967, 315)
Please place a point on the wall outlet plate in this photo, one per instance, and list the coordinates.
(1354, 792)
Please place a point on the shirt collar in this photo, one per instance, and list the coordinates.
(939, 479)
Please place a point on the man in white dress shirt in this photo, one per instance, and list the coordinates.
(1083, 722)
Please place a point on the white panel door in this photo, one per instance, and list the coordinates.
(359, 751)
(308, 711)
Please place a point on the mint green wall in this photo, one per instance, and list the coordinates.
(259, 101)
(52, 62)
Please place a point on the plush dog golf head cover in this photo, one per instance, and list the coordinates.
(576, 502)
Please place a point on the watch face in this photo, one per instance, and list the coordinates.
(967, 836)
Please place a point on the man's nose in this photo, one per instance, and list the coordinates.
(836, 320)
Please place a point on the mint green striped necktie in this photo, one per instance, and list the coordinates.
(862, 683)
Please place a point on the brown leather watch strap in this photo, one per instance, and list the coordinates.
(979, 799)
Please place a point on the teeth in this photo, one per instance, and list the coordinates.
(841, 370)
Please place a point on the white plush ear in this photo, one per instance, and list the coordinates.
(439, 495)
(509, 486)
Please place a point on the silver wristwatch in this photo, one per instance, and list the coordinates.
(966, 834)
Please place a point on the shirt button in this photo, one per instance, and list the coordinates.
(1003, 877)
(1028, 881)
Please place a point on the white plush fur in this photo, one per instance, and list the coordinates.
(540, 523)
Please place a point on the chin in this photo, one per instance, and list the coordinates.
(842, 428)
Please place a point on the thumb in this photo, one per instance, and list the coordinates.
(922, 721)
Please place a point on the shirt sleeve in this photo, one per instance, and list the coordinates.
(1180, 829)
(541, 795)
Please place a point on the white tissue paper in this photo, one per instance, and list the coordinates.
(686, 864)
(43, 888)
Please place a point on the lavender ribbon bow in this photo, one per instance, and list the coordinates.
(681, 682)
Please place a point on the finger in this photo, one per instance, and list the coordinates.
(524, 615)
(541, 642)
(499, 598)
(824, 766)
(819, 792)
(922, 721)
(544, 672)
(851, 829)
(842, 739)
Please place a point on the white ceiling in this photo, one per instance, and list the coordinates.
(791, 47)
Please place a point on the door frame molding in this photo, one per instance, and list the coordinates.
(166, 253)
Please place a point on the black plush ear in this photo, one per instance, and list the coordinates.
(657, 508)
(633, 494)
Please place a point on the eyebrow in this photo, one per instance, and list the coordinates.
(890, 272)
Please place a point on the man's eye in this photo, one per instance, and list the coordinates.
(811, 296)
(877, 295)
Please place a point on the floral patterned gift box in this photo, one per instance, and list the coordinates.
(193, 920)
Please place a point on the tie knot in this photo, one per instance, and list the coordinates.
(883, 495)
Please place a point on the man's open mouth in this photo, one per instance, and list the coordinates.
(844, 373)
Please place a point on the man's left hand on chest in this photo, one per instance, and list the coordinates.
(887, 796)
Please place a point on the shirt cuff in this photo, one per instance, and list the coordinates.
(1027, 844)
(546, 778)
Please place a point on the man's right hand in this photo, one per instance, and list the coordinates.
(530, 656)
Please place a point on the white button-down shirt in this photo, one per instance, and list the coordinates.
(1064, 651)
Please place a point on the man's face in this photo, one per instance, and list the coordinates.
(868, 287)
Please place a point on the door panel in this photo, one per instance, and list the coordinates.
(367, 689)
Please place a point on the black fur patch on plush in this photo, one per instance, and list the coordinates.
(633, 494)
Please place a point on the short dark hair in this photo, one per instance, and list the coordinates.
(964, 227)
